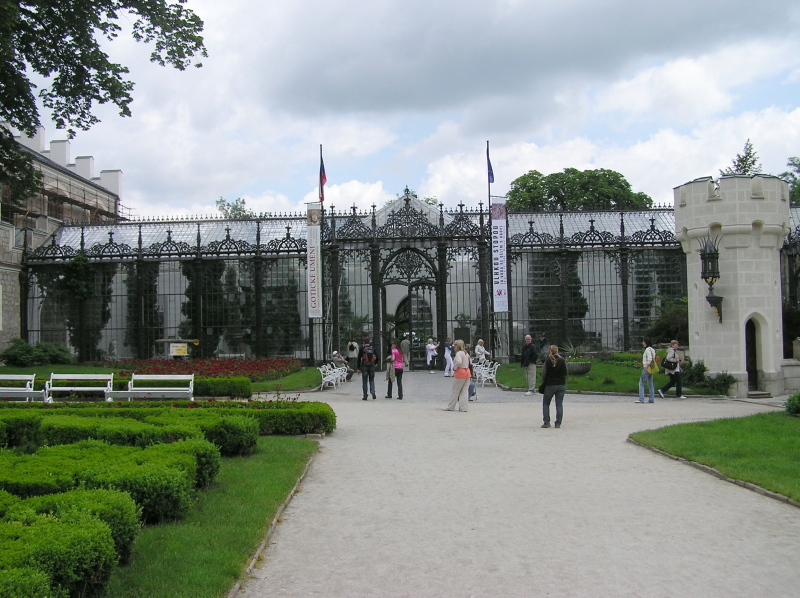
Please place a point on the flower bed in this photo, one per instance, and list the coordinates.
(257, 370)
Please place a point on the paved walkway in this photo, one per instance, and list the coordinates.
(407, 500)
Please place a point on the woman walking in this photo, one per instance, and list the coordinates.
(448, 357)
(396, 367)
(554, 381)
(672, 366)
(648, 357)
(461, 378)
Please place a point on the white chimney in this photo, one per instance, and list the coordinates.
(36, 143)
(84, 167)
(59, 151)
(112, 180)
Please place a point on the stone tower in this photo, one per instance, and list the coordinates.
(746, 219)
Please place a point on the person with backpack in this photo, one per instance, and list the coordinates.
(366, 367)
(529, 356)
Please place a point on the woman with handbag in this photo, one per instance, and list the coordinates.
(649, 367)
(672, 366)
(554, 383)
(461, 378)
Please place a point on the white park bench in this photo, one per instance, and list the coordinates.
(138, 391)
(331, 375)
(77, 384)
(18, 391)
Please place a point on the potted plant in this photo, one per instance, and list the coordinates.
(577, 364)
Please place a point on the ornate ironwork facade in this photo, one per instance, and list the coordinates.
(409, 268)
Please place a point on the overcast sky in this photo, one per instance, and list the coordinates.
(408, 92)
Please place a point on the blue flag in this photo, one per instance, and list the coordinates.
(489, 165)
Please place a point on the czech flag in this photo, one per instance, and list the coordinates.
(322, 178)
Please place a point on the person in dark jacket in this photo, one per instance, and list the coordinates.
(366, 361)
(529, 355)
(554, 383)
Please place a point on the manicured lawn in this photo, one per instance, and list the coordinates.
(603, 377)
(305, 379)
(203, 555)
(762, 449)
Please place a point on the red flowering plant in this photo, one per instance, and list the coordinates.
(257, 370)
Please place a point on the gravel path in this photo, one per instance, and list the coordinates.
(407, 500)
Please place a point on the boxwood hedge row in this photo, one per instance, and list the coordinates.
(274, 417)
(160, 478)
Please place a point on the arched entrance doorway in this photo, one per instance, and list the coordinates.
(409, 301)
(414, 319)
(751, 355)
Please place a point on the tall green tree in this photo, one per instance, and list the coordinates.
(60, 41)
(744, 163)
(575, 190)
(792, 177)
(235, 209)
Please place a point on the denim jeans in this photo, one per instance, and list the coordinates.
(398, 375)
(549, 391)
(368, 373)
(649, 379)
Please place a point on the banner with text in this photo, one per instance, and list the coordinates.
(314, 249)
(499, 257)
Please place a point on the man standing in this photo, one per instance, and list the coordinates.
(366, 367)
(529, 355)
(405, 347)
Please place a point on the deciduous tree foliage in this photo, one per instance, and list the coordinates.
(575, 190)
(59, 40)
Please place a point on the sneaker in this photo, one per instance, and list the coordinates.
(545, 425)
(682, 397)
(660, 393)
(639, 402)
(529, 393)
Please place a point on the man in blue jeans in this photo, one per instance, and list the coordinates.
(366, 367)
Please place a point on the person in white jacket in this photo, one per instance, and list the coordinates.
(648, 357)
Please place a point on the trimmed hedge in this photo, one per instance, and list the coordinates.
(24, 582)
(160, 478)
(76, 556)
(7, 500)
(274, 417)
(68, 429)
(233, 434)
(116, 509)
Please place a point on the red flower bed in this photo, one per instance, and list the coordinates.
(257, 370)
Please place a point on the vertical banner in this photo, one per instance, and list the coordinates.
(499, 256)
(314, 260)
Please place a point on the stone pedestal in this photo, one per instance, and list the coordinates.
(748, 218)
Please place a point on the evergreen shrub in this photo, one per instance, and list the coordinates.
(116, 509)
(68, 429)
(20, 354)
(77, 555)
(793, 404)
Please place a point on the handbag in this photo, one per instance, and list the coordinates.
(653, 367)
(670, 365)
(541, 388)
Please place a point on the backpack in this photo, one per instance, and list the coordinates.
(368, 358)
